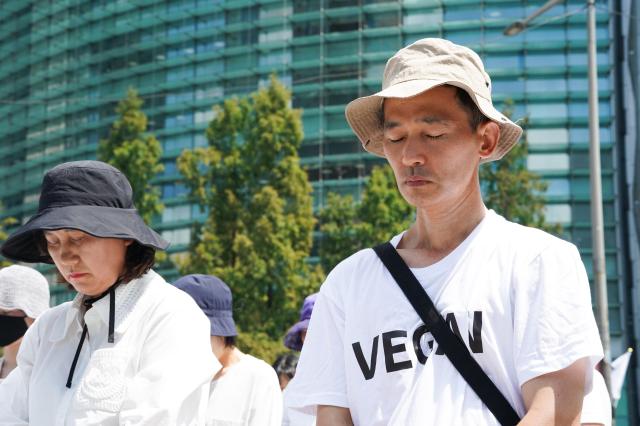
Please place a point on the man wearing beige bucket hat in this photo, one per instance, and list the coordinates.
(505, 330)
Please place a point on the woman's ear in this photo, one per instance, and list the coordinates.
(489, 134)
(127, 243)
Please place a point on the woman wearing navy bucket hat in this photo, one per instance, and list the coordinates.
(110, 355)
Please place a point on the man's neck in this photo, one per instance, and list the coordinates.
(438, 230)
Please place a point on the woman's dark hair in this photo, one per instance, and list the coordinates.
(286, 364)
(138, 259)
(229, 341)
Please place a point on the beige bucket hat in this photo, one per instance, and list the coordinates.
(421, 66)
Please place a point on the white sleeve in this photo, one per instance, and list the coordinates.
(320, 375)
(14, 389)
(268, 398)
(176, 368)
(596, 407)
(554, 324)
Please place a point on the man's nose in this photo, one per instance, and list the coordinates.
(413, 152)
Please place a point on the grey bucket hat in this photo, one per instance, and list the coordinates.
(90, 196)
(421, 66)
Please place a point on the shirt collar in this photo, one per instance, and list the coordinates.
(127, 297)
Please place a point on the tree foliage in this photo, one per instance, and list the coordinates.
(258, 230)
(135, 153)
(348, 227)
(512, 190)
(4, 223)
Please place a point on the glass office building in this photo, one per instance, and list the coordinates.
(65, 64)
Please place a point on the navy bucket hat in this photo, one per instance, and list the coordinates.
(213, 296)
(90, 196)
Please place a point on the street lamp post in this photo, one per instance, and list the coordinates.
(597, 226)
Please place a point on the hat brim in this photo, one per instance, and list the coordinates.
(364, 115)
(99, 221)
(292, 340)
(223, 326)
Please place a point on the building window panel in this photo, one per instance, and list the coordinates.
(178, 236)
(460, 14)
(554, 136)
(174, 190)
(546, 85)
(176, 213)
(423, 18)
(173, 143)
(381, 44)
(380, 20)
(558, 213)
(558, 188)
(499, 11)
(274, 34)
(494, 61)
(548, 162)
(545, 60)
(275, 58)
(547, 110)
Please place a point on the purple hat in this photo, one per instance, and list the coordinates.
(293, 339)
(213, 296)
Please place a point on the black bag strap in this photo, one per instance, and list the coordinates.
(453, 347)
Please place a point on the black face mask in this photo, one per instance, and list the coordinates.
(11, 329)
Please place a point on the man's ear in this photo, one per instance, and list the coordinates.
(489, 133)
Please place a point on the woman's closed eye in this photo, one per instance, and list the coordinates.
(76, 240)
(51, 243)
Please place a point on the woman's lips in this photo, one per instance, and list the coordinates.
(76, 275)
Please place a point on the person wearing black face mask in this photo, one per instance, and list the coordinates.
(24, 295)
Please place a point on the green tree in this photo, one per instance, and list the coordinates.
(348, 227)
(134, 152)
(4, 223)
(512, 190)
(258, 230)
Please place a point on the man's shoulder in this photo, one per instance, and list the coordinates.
(528, 241)
(352, 267)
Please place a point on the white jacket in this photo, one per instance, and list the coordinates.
(157, 372)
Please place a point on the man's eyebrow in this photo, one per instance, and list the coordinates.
(429, 119)
(390, 124)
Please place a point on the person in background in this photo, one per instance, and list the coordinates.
(285, 367)
(298, 332)
(24, 295)
(111, 355)
(294, 340)
(246, 390)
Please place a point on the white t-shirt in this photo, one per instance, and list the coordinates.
(596, 407)
(157, 372)
(247, 394)
(518, 297)
(292, 417)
